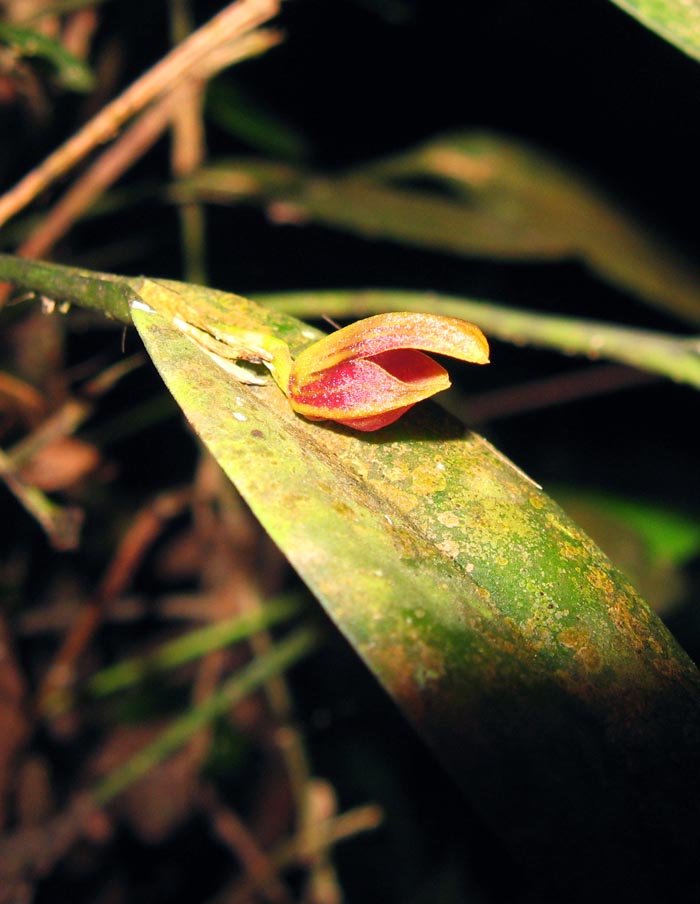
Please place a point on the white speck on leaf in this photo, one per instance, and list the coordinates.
(141, 306)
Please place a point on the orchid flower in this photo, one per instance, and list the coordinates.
(368, 374)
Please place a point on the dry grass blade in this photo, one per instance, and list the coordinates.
(234, 21)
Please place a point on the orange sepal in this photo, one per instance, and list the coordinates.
(368, 374)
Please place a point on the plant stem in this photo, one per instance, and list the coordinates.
(98, 291)
(191, 646)
(232, 692)
(677, 357)
(61, 524)
(232, 22)
(141, 135)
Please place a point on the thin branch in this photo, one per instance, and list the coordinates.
(239, 686)
(61, 524)
(677, 357)
(360, 819)
(233, 832)
(100, 175)
(192, 645)
(188, 152)
(132, 145)
(548, 392)
(234, 21)
(144, 530)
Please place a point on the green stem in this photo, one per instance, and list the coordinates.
(98, 291)
(677, 357)
(192, 645)
(237, 688)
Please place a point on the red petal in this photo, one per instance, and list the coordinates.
(366, 388)
(367, 424)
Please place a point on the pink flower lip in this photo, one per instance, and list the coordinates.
(368, 374)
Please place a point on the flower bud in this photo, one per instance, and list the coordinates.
(368, 374)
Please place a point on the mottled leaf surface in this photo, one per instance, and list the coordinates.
(542, 681)
(678, 21)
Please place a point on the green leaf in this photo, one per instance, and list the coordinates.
(542, 681)
(70, 71)
(650, 543)
(669, 535)
(678, 21)
(245, 118)
(236, 688)
(528, 199)
(472, 194)
(552, 693)
(191, 645)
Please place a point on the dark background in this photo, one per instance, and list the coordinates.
(581, 80)
(360, 79)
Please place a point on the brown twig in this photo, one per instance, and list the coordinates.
(187, 154)
(144, 530)
(72, 413)
(360, 819)
(234, 545)
(548, 392)
(234, 21)
(132, 145)
(233, 832)
(99, 176)
(61, 524)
